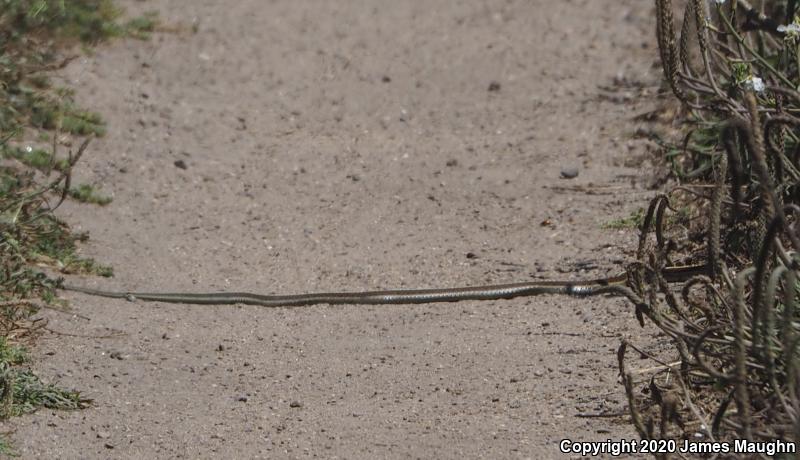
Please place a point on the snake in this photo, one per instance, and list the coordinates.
(580, 288)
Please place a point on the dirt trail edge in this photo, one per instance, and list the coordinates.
(289, 147)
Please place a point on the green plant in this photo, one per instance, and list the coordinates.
(36, 180)
(633, 221)
(87, 194)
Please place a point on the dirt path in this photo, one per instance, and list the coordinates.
(340, 146)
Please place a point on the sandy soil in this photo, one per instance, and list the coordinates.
(289, 147)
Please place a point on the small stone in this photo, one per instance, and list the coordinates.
(180, 164)
(103, 434)
(242, 398)
(296, 404)
(569, 172)
(494, 86)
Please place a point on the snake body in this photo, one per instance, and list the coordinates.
(402, 296)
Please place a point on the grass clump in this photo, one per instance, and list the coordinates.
(142, 26)
(36, 158)
(30, 233)
(63, 115)
(86, 193)
(634, 220)
(32, 33)
(22, 392)
(86, 21)
(34, 180)
(30, 393)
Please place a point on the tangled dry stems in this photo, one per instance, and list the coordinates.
(736, 330)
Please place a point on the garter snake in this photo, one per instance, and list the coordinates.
(403, 296)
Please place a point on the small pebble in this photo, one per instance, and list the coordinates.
(180, 164)
(295, 404)
(569, 172)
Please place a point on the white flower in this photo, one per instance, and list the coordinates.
(790, 30)
(754, 84)
(719, 2)
(793, 27)
(29, 149)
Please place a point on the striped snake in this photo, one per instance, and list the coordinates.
(614, 284)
